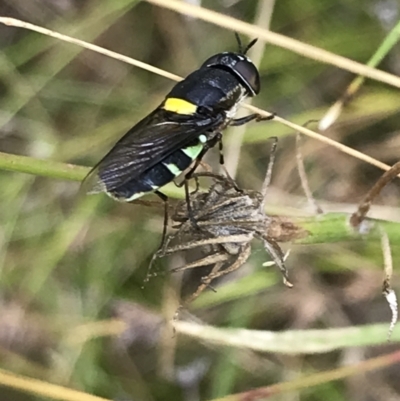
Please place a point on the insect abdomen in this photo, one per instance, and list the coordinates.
(160, 174)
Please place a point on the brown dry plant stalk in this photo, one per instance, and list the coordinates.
(358, 220)
(227, 219)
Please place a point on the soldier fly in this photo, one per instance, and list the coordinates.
(174, 137)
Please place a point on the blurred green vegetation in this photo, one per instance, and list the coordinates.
(67, 261)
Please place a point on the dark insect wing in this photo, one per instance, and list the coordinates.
(142, 147)
(92, 183)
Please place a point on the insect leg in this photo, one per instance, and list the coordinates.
(196, 176)
(195, 163)
(237, 122)
(210, 144)
(191, 217)
(222, 163)
(164, 239)
(164, 198)
(251, 117)
(188, 175)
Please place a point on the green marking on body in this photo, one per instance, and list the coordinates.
(173, 168)
(194, 151)
(133, 197)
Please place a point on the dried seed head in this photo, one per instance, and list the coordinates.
(226, 221)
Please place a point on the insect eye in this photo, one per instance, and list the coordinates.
(213, 60)
(241, 66)
(248, 72)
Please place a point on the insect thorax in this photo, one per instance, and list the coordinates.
(210, 89)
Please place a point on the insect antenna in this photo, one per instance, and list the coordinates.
(239, 42)
(242, 50)
(249, 46)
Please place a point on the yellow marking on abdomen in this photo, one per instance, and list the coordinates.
(179, 106)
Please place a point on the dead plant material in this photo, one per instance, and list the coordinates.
(358, 222)
(227, 220)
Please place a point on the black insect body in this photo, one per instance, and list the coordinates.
(176, 134)
(227, 220)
